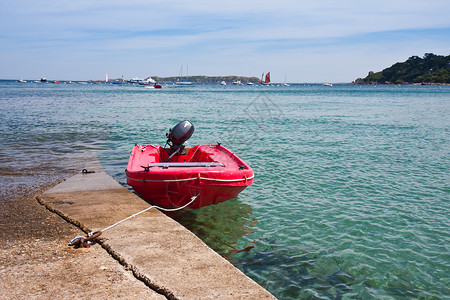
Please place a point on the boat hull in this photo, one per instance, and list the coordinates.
(222, 177)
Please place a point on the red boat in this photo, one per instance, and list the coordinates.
(156, 85)
(171, 177)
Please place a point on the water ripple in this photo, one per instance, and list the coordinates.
(351, 195)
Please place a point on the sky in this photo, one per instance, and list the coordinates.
(296, 40)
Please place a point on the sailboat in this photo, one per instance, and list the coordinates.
(181, 75)
(285, 83)
(266, 80)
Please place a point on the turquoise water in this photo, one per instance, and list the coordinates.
(352, 184)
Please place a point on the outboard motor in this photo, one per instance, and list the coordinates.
(179, 134)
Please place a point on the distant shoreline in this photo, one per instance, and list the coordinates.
(403, 83)
(207, 79)
(218, 79)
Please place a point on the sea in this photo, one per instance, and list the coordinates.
(351, 196)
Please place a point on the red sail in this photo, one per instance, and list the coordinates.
(267, 78)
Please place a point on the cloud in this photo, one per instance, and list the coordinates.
(205, 30)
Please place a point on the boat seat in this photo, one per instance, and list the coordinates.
(167, 165)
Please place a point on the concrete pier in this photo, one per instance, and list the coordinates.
(170, 260)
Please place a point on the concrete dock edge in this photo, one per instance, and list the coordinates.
(160, 252)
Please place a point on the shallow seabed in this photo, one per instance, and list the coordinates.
(352, 188)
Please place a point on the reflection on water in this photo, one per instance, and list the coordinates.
(220, 226)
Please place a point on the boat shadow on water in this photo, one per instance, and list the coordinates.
(220, 226)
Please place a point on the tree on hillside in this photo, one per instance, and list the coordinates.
(431, 68)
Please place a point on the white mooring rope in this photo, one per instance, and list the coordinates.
(148, 208)
(85, 242)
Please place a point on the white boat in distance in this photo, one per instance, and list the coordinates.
(181, 75)
(285, 83)
(183, 83)
(148, 80)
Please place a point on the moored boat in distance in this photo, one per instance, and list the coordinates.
(151, 85)
(155, 86)
(285, 83)
(266, 79)
(179, 176)
(184, 83)
(147, 81)
(183, 80)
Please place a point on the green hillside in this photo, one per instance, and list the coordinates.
(431, 69)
